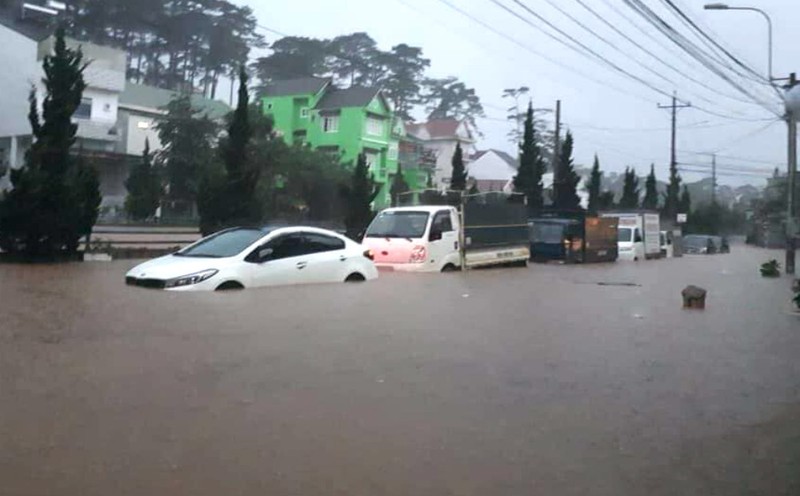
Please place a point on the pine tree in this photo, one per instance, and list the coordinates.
(55, 197)
(565, 184)
(685, 203)
(399, 188)
(358, 197)
(144, 188)
(431, 196)
(242, 174)
(228, 197)
(593, 188)
(458, 179)
(630, 190)
(605, 201)
(528, 180)
(672, 200)
(186, 152)
(650, 201)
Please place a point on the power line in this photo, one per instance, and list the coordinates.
(690, 48)
(273, 31)
(731, 157)
(732, 168)
(552, 60)
(648, 68)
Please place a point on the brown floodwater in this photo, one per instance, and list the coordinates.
(506, 381)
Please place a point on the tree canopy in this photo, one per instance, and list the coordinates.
(565, 179)
(594, 186)
(171, 44)
(650, 200)
(630, 190)
(528, 180)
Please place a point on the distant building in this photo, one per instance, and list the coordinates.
(493, 170)
(114, 118)
(441, 136)
(343, 122)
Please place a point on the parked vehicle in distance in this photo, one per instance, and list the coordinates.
(638, 235)
(573, 237)
(245, 257)
(700, 244)
(429, 238)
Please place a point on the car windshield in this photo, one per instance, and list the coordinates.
(398, 224)
(695, 241)
(547, 233)
(625, 234)
(223, 244)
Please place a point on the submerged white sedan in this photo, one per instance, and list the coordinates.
(244, 257)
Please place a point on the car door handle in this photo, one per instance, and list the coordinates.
(301, 265)
(342, 258)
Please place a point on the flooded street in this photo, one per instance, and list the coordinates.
(508, 381)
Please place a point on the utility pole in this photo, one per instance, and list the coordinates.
(791, 203)
(713, 178)
(673, 161)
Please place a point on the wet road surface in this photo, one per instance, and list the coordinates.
(501, 382)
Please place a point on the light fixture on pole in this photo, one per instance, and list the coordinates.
(723, 6)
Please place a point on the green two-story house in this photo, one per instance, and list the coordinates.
(345, 122)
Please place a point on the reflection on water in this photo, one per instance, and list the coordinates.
(541, 381)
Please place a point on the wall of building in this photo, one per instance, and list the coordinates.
(20, 70)
(136, 129)
(105, 104)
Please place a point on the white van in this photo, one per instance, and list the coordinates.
(418, 239)
(638, 235)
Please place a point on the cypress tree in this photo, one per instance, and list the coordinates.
(399, 187)
(650, 201)
(630, 190)
(593, 188)
(528, 180)
(458, 178)
(685, 203)
(565, 184)
(359, 196)
(144, 188)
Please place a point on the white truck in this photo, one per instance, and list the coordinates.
(432, 238)
(639, 235)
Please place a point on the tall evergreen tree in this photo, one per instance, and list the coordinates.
(630, 190)
(605, 201)
(565, 179)
(672, 199)
(685, 203)
(650, 201)
(458, 178)
(144, 188)
(186, 139)
(594, 186)
(55, 197)
(358, 197)
(528, 180)
(237, 183)
(399, 188)
(431, 196)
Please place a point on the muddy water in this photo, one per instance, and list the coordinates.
(510, 381)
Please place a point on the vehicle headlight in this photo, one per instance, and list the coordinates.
(190, 279)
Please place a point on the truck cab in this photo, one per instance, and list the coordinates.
(630, 243)
(415, 239)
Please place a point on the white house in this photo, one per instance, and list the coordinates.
(493, 170)
(115, 117)
(442, 136)
(25, 43)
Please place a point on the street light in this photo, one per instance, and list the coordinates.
(792, 109)
(723, 6)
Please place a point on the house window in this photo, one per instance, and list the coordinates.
(304, 113)
(374, 126)
(330, 123)
(84, 110)
(269, 106)
(392, 152)
(143, 125)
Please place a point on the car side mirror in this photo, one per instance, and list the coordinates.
(435, 236)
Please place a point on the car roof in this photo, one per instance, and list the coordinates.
(268, 230)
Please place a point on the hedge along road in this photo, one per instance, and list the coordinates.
(502, 381)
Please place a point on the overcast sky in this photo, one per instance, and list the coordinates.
(609, 113)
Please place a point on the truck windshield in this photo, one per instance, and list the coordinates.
(547, 233)
(398, 224)
(625, 234)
